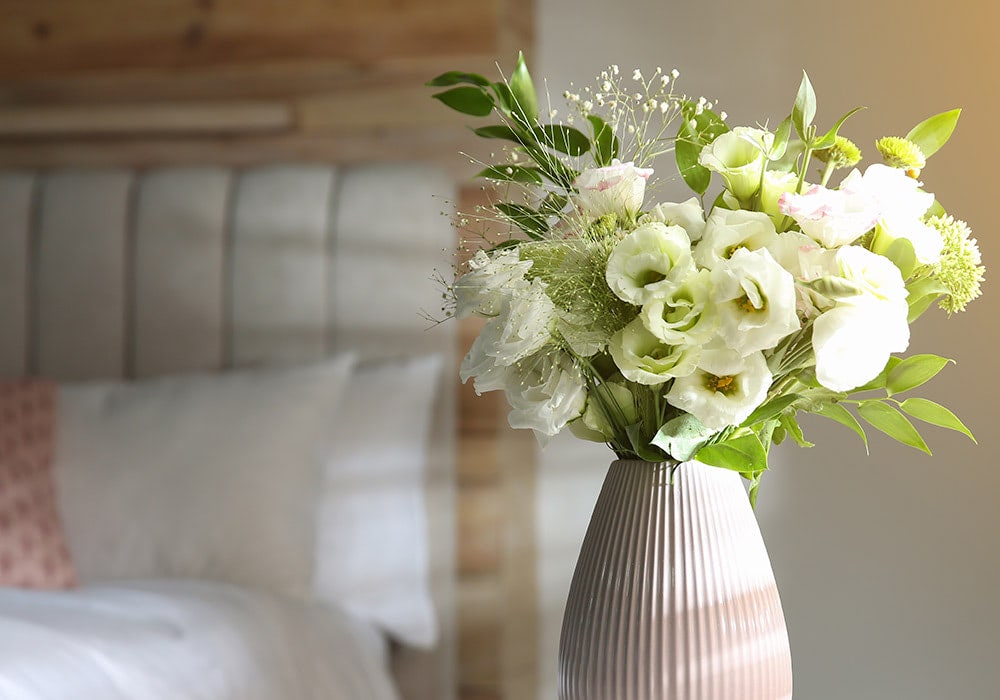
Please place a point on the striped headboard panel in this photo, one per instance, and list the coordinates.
(124, 273)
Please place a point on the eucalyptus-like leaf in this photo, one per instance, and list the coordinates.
(913, 371)
(467, 100)
(890, 421)
(935, 414)
(641, 445)
(836, 412)
(804, 110)
(771, 409)
(525, 107)
(934, 132)
(562, 138)
(605, 142)
(454, 77)
(682, 437)
(921, 293)
(830, 137)
(903, 256)
(525, 218)
(512, 173)
(742, 453)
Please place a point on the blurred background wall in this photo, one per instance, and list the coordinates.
(887, 564)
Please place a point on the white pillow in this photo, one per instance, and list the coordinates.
(208, 476)
(372, 555)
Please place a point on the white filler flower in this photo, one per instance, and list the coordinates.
(724, 389)
(651, 260)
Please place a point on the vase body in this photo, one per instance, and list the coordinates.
(673, 597)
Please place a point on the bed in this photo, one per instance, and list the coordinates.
(252, 456)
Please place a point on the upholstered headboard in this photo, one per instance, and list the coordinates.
(126, 273)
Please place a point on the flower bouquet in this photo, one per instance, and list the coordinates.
(700, 329)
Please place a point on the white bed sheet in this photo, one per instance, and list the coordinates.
(184, 640)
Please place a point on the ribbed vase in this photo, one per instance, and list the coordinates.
(673, 597)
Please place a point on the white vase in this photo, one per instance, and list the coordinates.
(673, 597)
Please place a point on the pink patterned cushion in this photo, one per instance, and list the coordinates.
(33, 552)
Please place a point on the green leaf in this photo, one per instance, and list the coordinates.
(553, 204)
(691, 140)
(936, 209)
(935, 414)
(781, 136)
(792, 427)
(501, 131)
(893, 423)
(754, 479)
(454, 77)
(682, 437)
(771, 409)
(921, 293)
(512, 173)
(901, 252)
(804, 109)
(879, 381)
(934, 132)
(562, 138)
(836, 412)
(505, 99)
(641, 446)
(605, 141)
(744, 453)
(526, 219)
(525, 103)
(467, 100)
(830, 137)
(912, 372)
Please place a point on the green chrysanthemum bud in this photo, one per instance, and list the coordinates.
(902, 153)
(844, 153)
(959, 268)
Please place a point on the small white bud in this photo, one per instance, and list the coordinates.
(637, 74)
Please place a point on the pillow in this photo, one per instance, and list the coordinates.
(33, 551)
(372, 554)
(198, 476)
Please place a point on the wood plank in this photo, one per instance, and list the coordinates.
(153, 118)
(63, 36)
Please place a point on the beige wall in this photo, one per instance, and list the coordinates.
(888, 565)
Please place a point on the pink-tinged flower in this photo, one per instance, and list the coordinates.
(831, 217)
(615, 189)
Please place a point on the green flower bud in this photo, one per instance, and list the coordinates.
(844, 153)
(902, 153)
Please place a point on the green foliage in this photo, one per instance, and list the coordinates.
(512, 173)
(524, 105)
(562, 138)
(742, 453)
(682, 437)
(455, 77)
(467, 100)
(935, 414)
(932, 133)
(605, 142)
(707, 127)
(921, 293)
(836, 412)
(525, 218)
(912, 372)
(804, 109)
(883, 416)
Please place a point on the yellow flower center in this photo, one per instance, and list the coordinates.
(726, 384)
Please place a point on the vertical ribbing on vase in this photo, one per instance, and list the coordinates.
(670, 598)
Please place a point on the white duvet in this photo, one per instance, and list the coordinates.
(183, 640)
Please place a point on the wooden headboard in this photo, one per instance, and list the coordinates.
(125, 273)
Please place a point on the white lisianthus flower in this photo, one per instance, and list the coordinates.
(902, 206)
(776, 183)
(724, 389)
(685, 316)
(832, 217)
(738, 156)
(873, 274)
(755, 299)
(729, 230)
(546, 391)
(688, 215)
(852, 342)
(615, 189)
(651, 260)
(523, 326)
(643, 358)
(489, 283)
